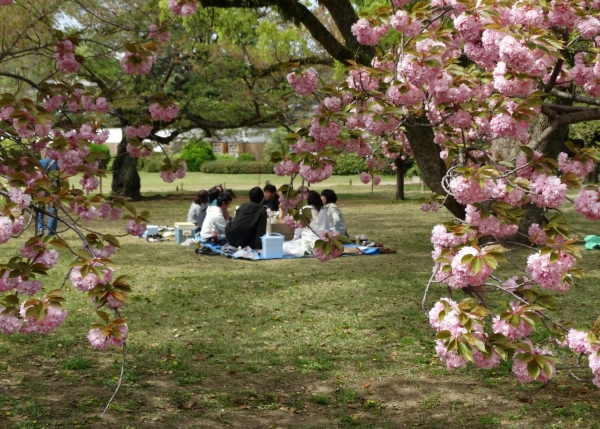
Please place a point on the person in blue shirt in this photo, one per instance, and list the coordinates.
(49, 165)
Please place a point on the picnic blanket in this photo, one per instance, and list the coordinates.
(249, 254)
(592, 242)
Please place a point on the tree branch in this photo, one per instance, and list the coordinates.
(21, 78)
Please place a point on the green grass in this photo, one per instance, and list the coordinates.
(297, 344)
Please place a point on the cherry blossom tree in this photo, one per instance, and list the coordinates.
(495, 86)
(52, 114)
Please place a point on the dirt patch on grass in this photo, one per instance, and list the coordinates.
(284, 399)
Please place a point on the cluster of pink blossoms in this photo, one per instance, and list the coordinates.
(163, 113)
(469, 191)
(328, 236)
(25, 287)
(587, 203)
(305, 83)
(164, 36)
(506, 328)
(141, 131)
(138, 152)
(315, 173)
(490, 226)
(462, 274)
(90, 280)
(537, 234)
(137, 64)
(574, 165)
(169, 176)
(548, 274)
(65, 57)
(8, 227)
(183, 7)
(291, 200)
(547, 191)
(579, 342)
(286, 168)
(100, 342)
(55, 316)
(519, 367)
(367, 35)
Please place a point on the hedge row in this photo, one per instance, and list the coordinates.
(236, 167)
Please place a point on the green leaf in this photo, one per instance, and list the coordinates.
(476, 265)
(465, 351)
(103, 316)
(534, 369)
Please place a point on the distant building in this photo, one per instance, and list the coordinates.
(232, 142)
(243, 140)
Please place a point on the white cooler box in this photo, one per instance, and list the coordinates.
(183, 231)
(272, 246)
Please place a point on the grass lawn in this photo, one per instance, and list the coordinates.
(219, 343)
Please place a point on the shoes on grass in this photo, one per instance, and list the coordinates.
(206, 251)
(188, 242)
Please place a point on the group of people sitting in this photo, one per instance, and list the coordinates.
(210, 213)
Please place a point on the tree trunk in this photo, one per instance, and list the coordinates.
(126, 180)
(427, 155)
(399, 163)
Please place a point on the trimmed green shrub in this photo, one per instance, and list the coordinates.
(235, 167)
(349, 164)
(225, 157)
(152, 163)
(101, 148)
(246, 157)
(196, 153)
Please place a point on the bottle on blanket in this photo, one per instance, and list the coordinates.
(214, 239)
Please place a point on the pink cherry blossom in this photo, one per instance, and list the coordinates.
(537, 235)
(567, 165)
(506, 328)
(451, 359)
(163, 113)
(168, 176)
(135, 229)
(587, 203)
(519, 367)
(367, 35)
(65, 57)
(55, 316)
(183, 7)
(547, 274)
(469, 191)
(304, 83)
(9, 324)
(579, 343)
(548, 191)
(462, 274)
(327, 236)
(136, 63)
(286, 168)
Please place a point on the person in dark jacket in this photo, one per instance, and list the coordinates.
(271, 199)
(249, 223)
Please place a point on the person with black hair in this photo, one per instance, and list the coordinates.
(198, 209)
(213, 193)
(271, 199)
(334, 214)
(217, 216)
(249, 223)
(319, 224)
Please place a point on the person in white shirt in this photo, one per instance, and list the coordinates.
(336, 218)
(306, 237)
(216, 220)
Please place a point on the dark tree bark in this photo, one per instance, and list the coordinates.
(399, 163)
(342, 12)
(427, 155)
(126, 180)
